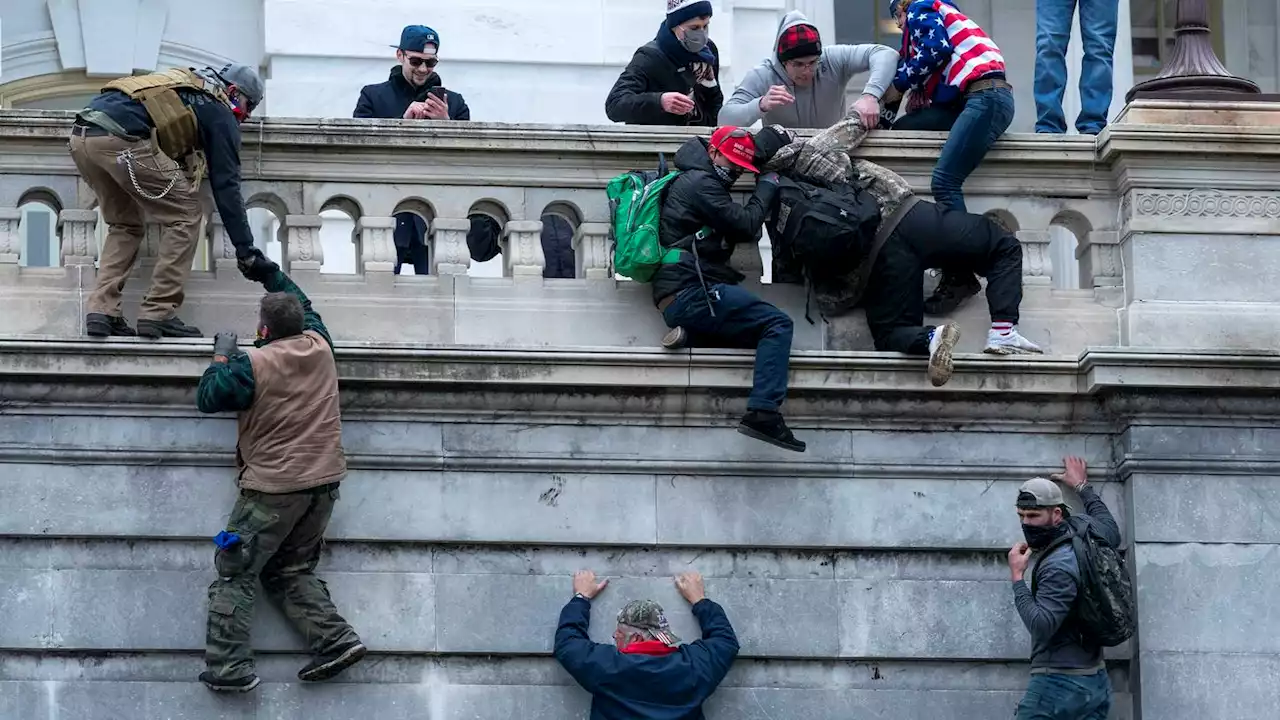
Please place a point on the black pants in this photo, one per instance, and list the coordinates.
(932, 237)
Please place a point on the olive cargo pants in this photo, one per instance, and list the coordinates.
(281, 537)
(130, 179)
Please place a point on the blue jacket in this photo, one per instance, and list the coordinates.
(647, 687)
(390, 99)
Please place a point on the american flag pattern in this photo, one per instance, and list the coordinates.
(943, 51)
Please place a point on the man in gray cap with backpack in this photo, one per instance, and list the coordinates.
(1073, 594)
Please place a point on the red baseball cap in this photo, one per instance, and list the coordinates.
(737, 145)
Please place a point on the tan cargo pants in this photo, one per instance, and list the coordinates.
(157, 188)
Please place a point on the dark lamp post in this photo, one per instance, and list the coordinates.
(1194, 68)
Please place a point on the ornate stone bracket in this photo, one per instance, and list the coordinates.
(1100, 260)
(747, 260)
(1037, 265)
(377, 244)
(591, 251)
(523, 255)
(305, 249)
(450, 255)
(79, 241)
(10, 241)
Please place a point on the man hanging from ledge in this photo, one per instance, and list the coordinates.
(143, 146)
(699, 296)
(290, 463)
(647, 674)
(887, 274)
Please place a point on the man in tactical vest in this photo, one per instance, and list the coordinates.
(143, 146)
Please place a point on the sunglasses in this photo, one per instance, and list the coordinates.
(420, 61)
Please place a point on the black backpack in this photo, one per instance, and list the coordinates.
(828, 230)
(1104, 609)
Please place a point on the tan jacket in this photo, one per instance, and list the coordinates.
(291, 437)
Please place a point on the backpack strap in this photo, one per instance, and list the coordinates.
(882, 236)
(1065, 539)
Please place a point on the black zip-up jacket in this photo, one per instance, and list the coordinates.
(696, 199)
(636, 97)
(219, 137)
(390, 99)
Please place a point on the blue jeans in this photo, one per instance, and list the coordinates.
(742, 320)
(1098, 19)
(975, 127)
(1066, 697)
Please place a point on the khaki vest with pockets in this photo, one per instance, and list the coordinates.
(175, 122)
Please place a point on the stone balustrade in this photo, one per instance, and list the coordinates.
(372, 170)
(1168, 209)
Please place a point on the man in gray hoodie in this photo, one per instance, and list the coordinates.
(803, 84)
(1068, 676)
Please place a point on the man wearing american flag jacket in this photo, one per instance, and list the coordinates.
(956, 75)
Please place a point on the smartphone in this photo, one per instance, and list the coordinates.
(438, 91)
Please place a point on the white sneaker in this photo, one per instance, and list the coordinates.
(1011, 344)
(941, 345)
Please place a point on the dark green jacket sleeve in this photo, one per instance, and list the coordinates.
(311, 319)
(226, 387)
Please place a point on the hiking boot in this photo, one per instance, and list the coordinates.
(217, 684)
(675, 338)
(330, 664)
(769, 426)
(941, 345)
(101, 325)
(173, 327)
(1010, 343)
(951, 293)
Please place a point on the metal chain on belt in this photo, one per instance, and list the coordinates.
(127, 157)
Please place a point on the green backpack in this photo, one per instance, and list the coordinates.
(635, 212)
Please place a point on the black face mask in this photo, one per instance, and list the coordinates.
(1040, 537)
(728, 175)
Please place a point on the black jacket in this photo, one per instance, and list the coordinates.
(636, 97)
(634, 687)
(390, 99)
(219, 138)
(696, 199)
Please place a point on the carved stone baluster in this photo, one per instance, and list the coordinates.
(591, 251)
(10, 241)
(449, 253)
(1037, 265)
(77, 229)
(747, 260)
(1099, 257)
(377, 244)
(523, 256)
(306, 253)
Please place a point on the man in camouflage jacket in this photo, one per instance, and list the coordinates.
(916, 235)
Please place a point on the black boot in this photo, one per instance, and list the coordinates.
(217, 684)
(173, 327)
(332, 663)
(951, 293)
(769, 426)
(101, 325)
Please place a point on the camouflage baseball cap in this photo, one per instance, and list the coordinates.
(647, 615)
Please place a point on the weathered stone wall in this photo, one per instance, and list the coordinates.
(864, 577)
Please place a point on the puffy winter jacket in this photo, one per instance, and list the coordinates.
(636, 97)
(698, 199)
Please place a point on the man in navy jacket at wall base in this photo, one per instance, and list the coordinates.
(647, 674)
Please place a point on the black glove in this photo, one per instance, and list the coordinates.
(769, 177)
(224, 343)
(256, 266)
